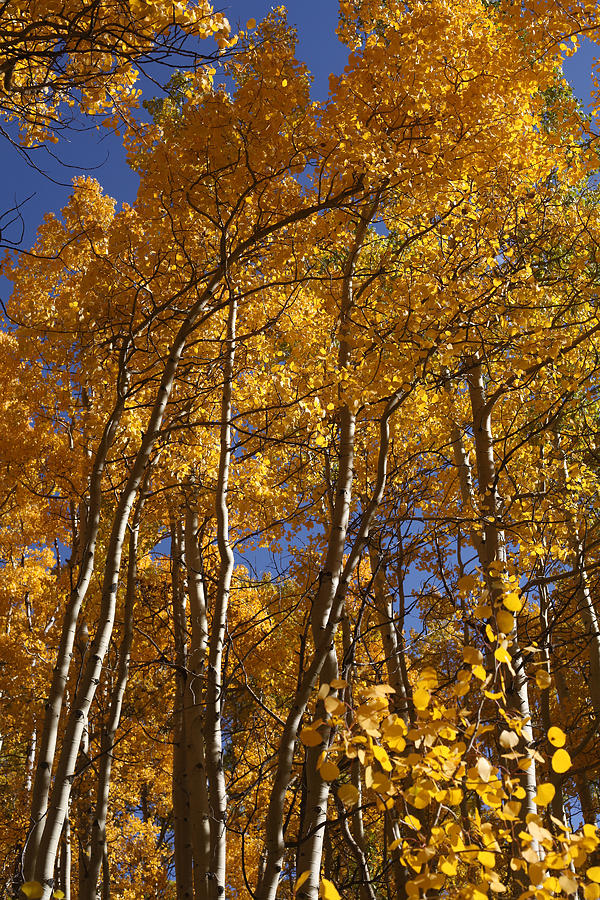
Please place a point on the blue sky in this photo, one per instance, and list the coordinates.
(100, 154)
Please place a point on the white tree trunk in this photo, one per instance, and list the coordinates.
(214, 676)
(54, 703)
(194, 709)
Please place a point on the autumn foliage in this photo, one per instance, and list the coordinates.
(300, 465)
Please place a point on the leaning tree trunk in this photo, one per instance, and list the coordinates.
(54, 703)
(107, 741)
(91, 676)
(274, 850)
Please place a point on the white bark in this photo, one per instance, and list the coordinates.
(194, 723)
(491, 550)
(54, 703)
(182, 843)
(214, 676)
(585, 602)
(91, 676)
(98, 837)
(274, 838)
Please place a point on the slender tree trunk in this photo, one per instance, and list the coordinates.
(585, 603)
(65, 861)
(182, 839)
(98, 840)
(91, 676)
(53, 707)
(395, 666)
(557, 804)
(353, 830)
(317, 789)
(84, 831)
(214, 675)
(395, 660)
(105, 895)
(194, 709)
(492, 555)
(274, 838)
(586, 800)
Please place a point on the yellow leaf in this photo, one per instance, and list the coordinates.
(487, 858)
(334, 706)
(367, 718)
(543, 679)
(472, 655)
(382, 758)
(348, 794)
(484, 768)
(303, 878)
(556, 736)
(591, 891)
(568, 883)
(594, 873)
(505, 621)
(466, 583)
(429, 677)
(479, 672)
(483, 611)
(310, 737)
(545, 794)
(502, 655)
(512, 602)
(58, 894)
(454, 797)
(508, 739)
(561, 761)
(251, 23)
(328, 890)
(421, 698)
(449, 865)
(329, 771)
(394, 735)
(32, 889)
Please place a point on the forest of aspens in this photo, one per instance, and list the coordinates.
(300, 459)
